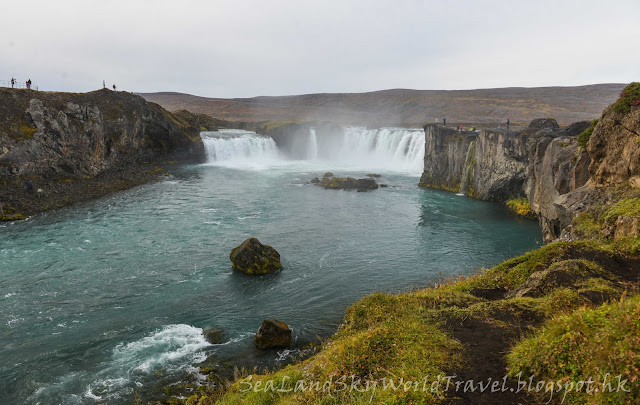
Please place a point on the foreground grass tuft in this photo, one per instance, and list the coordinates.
(599, 343)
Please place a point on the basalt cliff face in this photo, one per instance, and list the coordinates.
(546, 164)
(59, 141)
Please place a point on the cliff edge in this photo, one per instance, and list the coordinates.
(59, 148)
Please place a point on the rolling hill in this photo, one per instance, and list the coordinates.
(407, 107)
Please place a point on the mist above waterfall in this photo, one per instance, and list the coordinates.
(352, 148)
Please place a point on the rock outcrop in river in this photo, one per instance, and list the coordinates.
(252, 257)
(75, 146)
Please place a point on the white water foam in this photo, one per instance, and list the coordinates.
(172, 348)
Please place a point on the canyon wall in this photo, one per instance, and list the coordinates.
(542, 163)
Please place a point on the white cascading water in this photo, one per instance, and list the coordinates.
(398, 149)
(393, 149)
(312, 152)
(234, 147)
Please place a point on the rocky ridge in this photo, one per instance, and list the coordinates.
(73, 146)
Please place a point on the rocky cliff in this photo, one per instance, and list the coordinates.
(560, 177)
(48, 140)
(542, 163)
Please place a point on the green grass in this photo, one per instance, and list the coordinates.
(627, 206)
(521, 207)
(584, 137)
(598, 343)
(630, 97)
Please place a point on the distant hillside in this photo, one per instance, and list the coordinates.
(408, 107)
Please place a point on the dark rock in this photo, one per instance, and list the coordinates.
(214, 336)
(374, 175)
(273, 334)
(489, 293)
(348, 183)
(383, 185)
(540, 123)
(315, 180)
(327, 174)
(252, 257)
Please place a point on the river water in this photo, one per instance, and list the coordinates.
(108, 298)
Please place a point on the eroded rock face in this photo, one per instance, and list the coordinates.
(85, 134)
(252, 257)
(273, 334)
(544, 163)
(614, 148)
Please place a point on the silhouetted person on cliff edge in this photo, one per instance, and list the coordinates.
(508, 123)
(29, 84)
(444, 122)
(114, 87)
(104, 86)
(13, 82)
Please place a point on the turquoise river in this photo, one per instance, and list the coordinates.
(107, 299)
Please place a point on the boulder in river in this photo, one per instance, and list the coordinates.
(348, 183)
(214, 336)
(273, 334)
(252, 257)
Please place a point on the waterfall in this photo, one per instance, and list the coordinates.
(312, 152)
(232, 147)
(398, 149)
(467, 170)
(354, 148)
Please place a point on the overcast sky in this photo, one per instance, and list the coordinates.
(239, 48)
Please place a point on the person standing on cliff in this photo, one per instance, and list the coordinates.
(114, 87)
(13, 82)
(444, 122)
(508, 123)
(104, 86)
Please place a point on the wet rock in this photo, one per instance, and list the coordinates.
(315, 180)
(252, 257)
(214, 336)
(348, 183)
(327, 174)
(374, 175)
(273, 334)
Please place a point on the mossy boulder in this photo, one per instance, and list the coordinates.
(566, 273)
(347, 183)
(327, 174)
(272, 334)
(252, 257)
